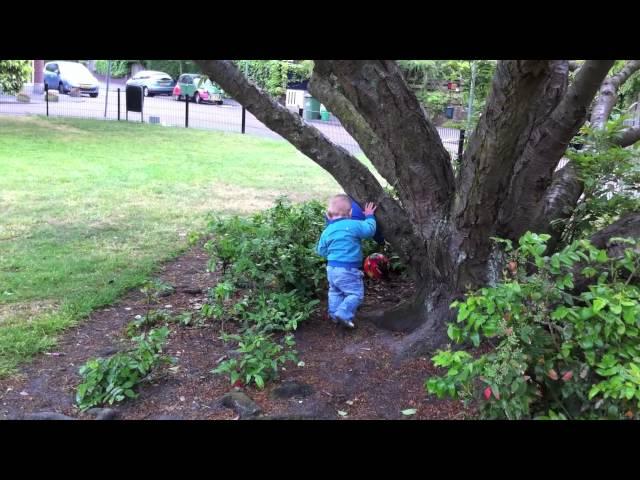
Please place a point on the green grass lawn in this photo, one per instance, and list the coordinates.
(88, 209)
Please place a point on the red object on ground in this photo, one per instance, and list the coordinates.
(376, 266)
(487, 393)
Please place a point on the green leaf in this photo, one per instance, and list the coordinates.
(409, 411)
(599, 304)
(629, 315)
(602, 256)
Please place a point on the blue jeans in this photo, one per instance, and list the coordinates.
(346, 291)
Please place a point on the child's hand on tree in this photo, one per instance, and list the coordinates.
(369, 208)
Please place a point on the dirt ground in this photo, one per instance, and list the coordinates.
(348, 371)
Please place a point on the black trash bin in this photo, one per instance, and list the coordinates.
(135, 100)
(449, 112)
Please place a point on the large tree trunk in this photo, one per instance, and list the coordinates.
(38, 76)
(440, 224)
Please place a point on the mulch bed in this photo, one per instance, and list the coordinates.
(348, 371)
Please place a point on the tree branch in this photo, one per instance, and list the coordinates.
(547, 144)
(324, 87)
(626, 227)
(628, 137)
(379, 93)
(351, 174)
(608, 94)
(558, 203)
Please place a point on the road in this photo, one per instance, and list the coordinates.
(169, 112)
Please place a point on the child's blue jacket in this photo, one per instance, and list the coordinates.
(340, 241)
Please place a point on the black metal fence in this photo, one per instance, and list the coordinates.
(166, 110)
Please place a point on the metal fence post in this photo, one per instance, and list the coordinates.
(460, 144)
(243, 118)
(118, 104)
(186, 111)
(46, 96)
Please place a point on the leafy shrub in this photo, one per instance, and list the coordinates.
(560, 353)
(434, 101)
(114, 379)
(119, 68)
(274, 249)
(275, 311)
(13, 75)
(274, 75)
(273, 255)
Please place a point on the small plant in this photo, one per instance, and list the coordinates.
(106, 381)
(259, 357)
(218, 297)
(187, 319)
(193, 238)
(149, 319)
(154, 289)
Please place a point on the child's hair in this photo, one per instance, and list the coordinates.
(339, 206)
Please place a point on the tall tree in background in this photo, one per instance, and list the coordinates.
(440, 220)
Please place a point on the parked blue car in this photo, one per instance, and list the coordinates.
(153, 83)
(63, 76)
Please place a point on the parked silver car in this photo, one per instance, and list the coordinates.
(153, 83)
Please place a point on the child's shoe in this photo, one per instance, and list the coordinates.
(346, 323)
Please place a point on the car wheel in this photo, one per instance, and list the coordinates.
(196, 98)
(93, 95)
(219, 102)
(61, 88)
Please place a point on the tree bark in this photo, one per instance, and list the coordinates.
(323, 86)
(608, 94)
(377, 90)
(532, 177)
(38, 76)
(523, 94)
